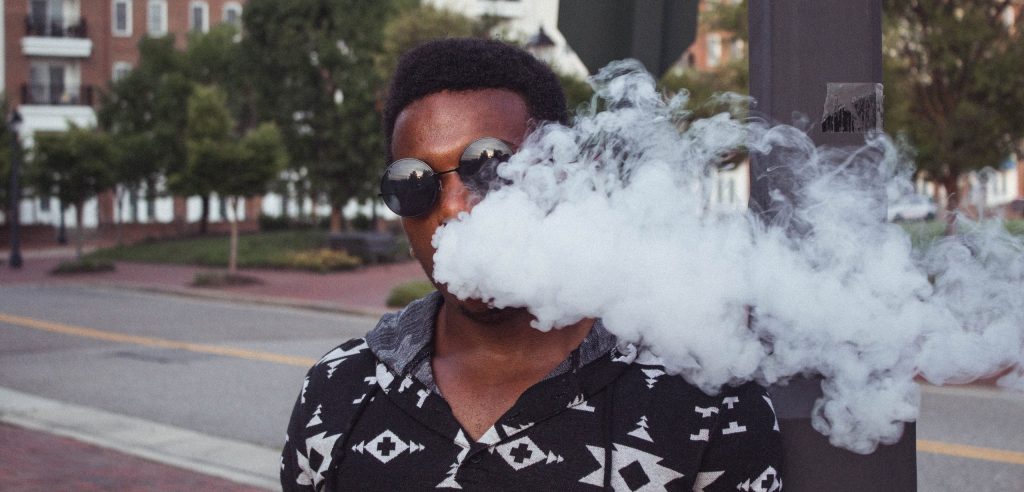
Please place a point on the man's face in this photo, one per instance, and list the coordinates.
(437, 129)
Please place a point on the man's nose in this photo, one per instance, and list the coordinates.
(455, 198)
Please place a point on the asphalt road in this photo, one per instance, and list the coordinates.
(247, 399)
(234, 370)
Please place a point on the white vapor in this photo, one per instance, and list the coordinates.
(610, 218)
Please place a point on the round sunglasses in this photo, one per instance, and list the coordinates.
(410, 187)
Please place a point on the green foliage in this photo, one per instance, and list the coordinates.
(578, 93)
(5, 155)
(415, 26)
(954, 76)
(321, 260)
(729, 17)
(73, 165)
(269, 249)
(302, 56)
(83, 265)
(216, 160)
(143, 114)
(407, 292)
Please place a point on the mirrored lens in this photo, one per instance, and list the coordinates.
(479, 162)
(409, 187)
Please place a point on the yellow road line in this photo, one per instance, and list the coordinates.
(923, 445)
(972, 452)
(110, 336)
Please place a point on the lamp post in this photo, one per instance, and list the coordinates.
(14, 125)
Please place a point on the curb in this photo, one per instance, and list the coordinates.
(199, 293)
(229, 459)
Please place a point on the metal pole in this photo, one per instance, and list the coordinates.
(14, 124)
(799, 51)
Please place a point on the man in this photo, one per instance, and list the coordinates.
(453, 393)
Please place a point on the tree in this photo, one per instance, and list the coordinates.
(5, 158)
(143, 113)
(220, 163)
(73, 166)
(311, 63)
(954, 73)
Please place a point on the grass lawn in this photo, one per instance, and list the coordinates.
(277, 249)
(923, 234)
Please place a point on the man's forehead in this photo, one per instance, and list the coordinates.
(459, 117)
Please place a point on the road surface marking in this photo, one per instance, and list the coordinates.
(923, 445)
(972, 452)
(80, 331)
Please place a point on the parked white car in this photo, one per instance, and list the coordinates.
(912, 207)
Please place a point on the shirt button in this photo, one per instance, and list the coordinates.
(475, 459)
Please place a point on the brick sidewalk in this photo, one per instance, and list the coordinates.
(34, 461)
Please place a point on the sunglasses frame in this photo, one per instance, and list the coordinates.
(390, 198)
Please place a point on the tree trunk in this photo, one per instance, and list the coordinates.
(951, 183)
(204, 218)
(232, 217)
(374, 219)
(79, 230)
(118, 223)
(62, 230)
(337, 219)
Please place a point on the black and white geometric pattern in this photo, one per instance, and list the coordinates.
(369, 418)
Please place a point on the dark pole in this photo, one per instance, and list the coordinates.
(800, 50)
(14, 125)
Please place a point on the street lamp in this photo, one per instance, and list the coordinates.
(14, 125)
(541, 45)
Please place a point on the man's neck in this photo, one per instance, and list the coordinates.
(484, 360)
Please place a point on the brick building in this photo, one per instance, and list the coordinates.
(60, 55)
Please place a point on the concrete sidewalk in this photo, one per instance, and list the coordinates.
(361, 291)
(100, 453)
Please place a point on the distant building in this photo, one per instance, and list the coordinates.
(59, 55)
(523, 20)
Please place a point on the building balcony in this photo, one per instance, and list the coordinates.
(56, 38)
(55, 29)
(56, 95)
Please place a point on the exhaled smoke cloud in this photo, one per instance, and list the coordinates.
(610, 218)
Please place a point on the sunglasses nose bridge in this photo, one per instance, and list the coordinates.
(454, 197)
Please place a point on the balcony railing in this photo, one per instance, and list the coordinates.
(55, 28)
(57, 94)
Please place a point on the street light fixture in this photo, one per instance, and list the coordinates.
(14, 125)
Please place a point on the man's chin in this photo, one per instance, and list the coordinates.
(483, 312)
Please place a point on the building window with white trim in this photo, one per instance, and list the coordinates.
(121, 70)
(121, 23)
(714, 45)
(156, 17)
(233, 14)
(199, 17)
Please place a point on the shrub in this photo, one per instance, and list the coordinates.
(84, 265)
(321, 260)
(407, 292)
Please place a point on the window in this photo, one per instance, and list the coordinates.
(233, 14)
(121, 70)
(714, 45)
(122, 22)
(199, 17)
(46, 18)
(156, 17)
(47, 84)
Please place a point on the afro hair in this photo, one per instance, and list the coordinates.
(464, 64)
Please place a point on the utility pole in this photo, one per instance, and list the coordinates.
(820, 59)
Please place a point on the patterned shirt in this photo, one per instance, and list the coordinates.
(370, 417)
